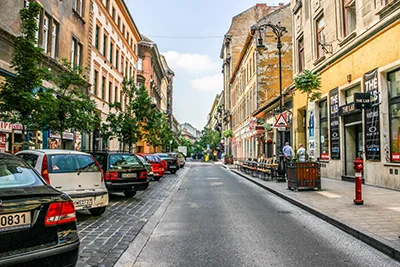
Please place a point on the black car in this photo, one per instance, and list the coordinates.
(172, 163)
(123, 172)
(37, 222)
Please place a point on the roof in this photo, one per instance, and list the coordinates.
(55, 151)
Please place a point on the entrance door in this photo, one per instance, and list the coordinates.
(354, 145)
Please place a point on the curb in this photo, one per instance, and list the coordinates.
(368, 238)
(129, 257)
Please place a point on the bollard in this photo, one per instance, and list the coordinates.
(358, 167)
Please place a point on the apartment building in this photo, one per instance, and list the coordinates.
(354, 46)
(63, 30)
(114, 56)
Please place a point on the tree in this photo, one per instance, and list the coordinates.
(68, 104)
(19, 95)
(310, 84)
(209, 137)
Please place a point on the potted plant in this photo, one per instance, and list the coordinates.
(228, 159)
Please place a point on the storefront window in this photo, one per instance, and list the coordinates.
(394, 109)
(349, 93)
(323, 126)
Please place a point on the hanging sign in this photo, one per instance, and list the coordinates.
(3, 141)
(372, 129)
(334, 123)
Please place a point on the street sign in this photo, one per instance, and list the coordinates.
(281, 122)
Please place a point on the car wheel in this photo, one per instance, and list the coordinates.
(173, 172)
(97, 211)
(156, 178)
(130, 193)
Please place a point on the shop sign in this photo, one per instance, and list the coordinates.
(66, 135)
(348, 109)
(8, 127)
(334, 123)
(3, 141)
(362, 100)
(324, 156)
(396, 156)
(372, 129)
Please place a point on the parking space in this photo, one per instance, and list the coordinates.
(105, 238)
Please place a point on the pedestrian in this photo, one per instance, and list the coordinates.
(287, 150)
(301, 153)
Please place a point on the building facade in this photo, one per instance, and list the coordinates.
(63, 30)
(354, 47)
(113, 38)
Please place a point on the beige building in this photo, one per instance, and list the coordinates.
(113, 39)
(354, 47)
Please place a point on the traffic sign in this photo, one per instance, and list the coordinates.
(281, 122)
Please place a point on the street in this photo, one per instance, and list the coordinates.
(217, 218)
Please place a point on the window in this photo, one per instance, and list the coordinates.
(111, 52)
(45, 37)
(349, 93)
(96, 75)
(113, 13)
(324, 134)
(107, 4)
(394, 113)
(103, 88)
(54, 39)
(110, 87)
(127, 36)
(96, 39)
(76, 51)
(123, 29)
(78, 7)
(119, 21)
(350, 20)
(320, 36)
(115, 93)
(104, 44)
(126, 69)
(116, 59)
(140, 64)
(300, 47)
(386, 2)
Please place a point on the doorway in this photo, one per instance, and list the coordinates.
(353, 142)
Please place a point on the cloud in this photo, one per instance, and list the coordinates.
(192, 63)
(208, 83)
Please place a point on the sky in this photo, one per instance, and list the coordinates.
(195, 61)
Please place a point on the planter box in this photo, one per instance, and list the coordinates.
(228, 159)
(303, 175)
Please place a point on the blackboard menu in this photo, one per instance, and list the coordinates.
(334, 123)
(372, 131)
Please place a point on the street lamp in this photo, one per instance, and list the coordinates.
(278, 30)
(170, 144)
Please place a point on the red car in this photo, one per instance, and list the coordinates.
(157, 165)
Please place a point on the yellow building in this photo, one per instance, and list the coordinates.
(355, 48)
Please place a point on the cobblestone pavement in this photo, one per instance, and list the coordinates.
(105, 238)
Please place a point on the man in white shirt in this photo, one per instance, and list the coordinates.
(301, 153)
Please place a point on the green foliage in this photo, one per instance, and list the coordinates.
(211, 137)
(18, 95)
(187, 143)
(68, 105)
(309, 83)
(227, 133)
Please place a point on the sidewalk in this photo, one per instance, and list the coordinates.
(377, 222)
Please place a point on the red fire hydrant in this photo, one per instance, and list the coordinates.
(358, 167)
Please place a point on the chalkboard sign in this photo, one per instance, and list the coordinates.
(334, 121)
(372, 129)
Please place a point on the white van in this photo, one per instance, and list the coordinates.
(75, 173)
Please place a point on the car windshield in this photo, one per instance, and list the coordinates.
(163, 156)
(119, 161)
(17, 173)
(61, 163)
(152, 158)
(141, 159)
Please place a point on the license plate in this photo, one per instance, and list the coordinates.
(83, 202)
(14, 221)
(172, 167)
(129, 175)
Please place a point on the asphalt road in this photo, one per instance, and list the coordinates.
(217, 218)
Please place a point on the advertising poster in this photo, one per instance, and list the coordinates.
(372, 129)
(334, 123)
(311, 128)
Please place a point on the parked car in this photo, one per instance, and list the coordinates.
(148, 167)
(180, 157)
(156, 164)
(75, 173)
(172, 163)
(37, 222)
(124, 172)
